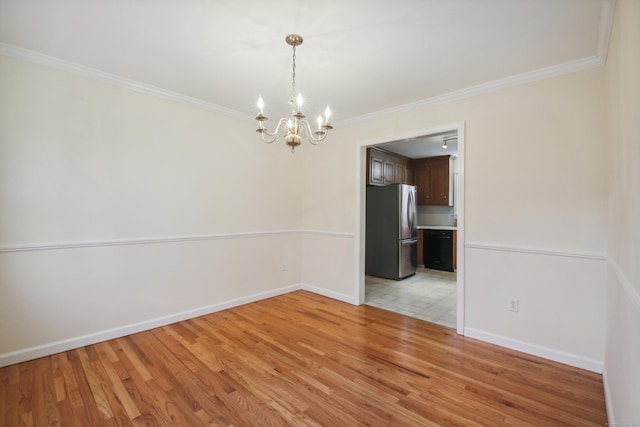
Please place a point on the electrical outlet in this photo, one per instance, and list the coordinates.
(512, 304)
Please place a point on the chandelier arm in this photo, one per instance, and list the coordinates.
(271, 136)
(310, 135)
(269, 139)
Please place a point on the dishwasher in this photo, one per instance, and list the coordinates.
(438, 249)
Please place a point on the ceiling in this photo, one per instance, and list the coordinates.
(425, 146)
(362, 57)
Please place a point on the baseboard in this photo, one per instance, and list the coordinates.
(81, 341)
(607, 399)
(536, 350)
(330, 294)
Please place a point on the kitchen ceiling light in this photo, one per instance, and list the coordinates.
(296, 122)
(445, 140)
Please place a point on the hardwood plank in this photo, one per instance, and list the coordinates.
(298, 359)
(152, 403)
(10, 395)
(220, 394)
(99, 393)
(89, 403)
(25, 403)
(165, 369)
(112, 381)
(68, 398)
(127, 353)
(43, 395)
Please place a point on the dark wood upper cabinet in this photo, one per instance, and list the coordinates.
(400, 173)
(384, 168)
(432, 177)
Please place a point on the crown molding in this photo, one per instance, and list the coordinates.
(605, 26)
(92, 73)
(598, 60)
(607, 12)
(528, 77)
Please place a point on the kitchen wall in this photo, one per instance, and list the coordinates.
(535, 210)
(622, 370)
(436, 215)
(121, 211)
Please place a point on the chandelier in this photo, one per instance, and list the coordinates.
(296, 123)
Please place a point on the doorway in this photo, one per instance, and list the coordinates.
(431, 295)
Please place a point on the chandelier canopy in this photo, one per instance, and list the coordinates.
(296, 124)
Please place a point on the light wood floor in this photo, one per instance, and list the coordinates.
(298, 359)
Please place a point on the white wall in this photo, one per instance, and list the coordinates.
(148, 208)
(327, 211)
(622, 367)
(121, 211)
(535, 210)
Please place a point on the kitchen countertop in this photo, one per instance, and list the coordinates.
(437, 227)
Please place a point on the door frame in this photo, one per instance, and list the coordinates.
(360, 209)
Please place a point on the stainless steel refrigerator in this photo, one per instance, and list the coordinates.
(391, 232)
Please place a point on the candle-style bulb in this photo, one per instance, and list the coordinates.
(327, 114)
(299, 102)
(319, 122)
(260, 104)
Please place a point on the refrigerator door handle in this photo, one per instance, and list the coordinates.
(411, 211)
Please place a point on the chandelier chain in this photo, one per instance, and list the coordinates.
(293, 77)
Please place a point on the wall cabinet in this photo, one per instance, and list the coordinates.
(384, 168)
(434, 180)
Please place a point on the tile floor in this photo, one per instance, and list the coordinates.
(428, 295)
